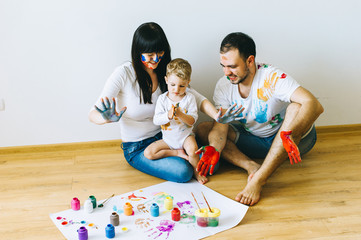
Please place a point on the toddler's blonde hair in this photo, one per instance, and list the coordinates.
(179, 67)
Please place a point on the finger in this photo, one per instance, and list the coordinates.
(206, 171)
(203, 170)
(122, 111)
(199, 151)
(199, 165)
(107, 102)
(114, 103)
(98, 109)
(104, 107)
(211, 171)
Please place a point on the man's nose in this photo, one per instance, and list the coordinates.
(227, 71)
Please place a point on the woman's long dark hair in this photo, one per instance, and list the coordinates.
(148, 38)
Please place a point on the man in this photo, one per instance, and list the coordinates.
(272, 102)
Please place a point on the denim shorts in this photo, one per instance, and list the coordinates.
(257, 147)
(173, 169)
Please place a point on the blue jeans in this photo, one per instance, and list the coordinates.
(173, 169)
(257, 147)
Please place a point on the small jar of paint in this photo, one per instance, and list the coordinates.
(202, 217)
(128, 209)
(154, 210)
(88, 206)
(83, 233)
(109, 231)
(94, 201)
(75, 204)
(175, 214)
(213, 217)
(114, 219)
(168, 203)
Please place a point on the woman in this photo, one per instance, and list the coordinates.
(136, 85)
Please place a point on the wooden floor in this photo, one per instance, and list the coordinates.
(317, 199)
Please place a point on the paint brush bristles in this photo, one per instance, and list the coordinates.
(195, 200)
(207, 202)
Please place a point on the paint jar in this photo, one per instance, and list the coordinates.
(83, 233)
(109, 231)
(94, 201)
(88, 206)
(213, 217)
(154, 210)
(128, 209)
(75, 204)
(202, 217)
(114, 219)
(175, 214)
(168, 203)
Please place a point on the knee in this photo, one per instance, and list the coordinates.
(148, 153)
(184, 174)
(202, 130)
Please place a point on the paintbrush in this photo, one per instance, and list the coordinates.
(106, 200)
(207, 202)
(195, 200)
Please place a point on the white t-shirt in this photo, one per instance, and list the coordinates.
(175, 131)
(265, 107)
(136, 124)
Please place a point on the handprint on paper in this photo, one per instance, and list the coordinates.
(142, 223)
(165, 226)
(141, 208)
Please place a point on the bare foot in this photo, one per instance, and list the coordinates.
(181, 153)
(200, 179)
(251, 194)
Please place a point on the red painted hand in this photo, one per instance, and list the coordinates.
(209, 159)
(291, 147)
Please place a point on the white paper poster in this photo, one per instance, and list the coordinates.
(142, 225)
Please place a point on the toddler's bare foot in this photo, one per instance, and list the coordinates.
(181, 153)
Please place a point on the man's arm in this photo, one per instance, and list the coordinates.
(310, 110)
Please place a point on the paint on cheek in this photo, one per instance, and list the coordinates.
(143, 58)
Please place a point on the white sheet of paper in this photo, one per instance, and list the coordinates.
(142, 225)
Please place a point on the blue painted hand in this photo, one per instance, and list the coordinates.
(233, 113)
(109, 112)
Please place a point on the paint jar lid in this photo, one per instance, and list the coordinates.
(203, 212)
(215, 212)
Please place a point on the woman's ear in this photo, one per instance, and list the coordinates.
(166, 79)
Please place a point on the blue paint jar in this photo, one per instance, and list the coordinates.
(109, 231)
(154, 210)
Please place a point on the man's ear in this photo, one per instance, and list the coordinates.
(250, 60)
(166, 79)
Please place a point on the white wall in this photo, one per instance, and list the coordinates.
(56, 55)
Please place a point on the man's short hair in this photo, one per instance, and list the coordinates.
(238, 40)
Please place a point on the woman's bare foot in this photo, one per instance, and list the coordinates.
(251, 194)
(200, 179)
(181, 153)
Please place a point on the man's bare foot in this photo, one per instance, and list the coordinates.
(181, 153)
(200, 179)
(250, 194)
